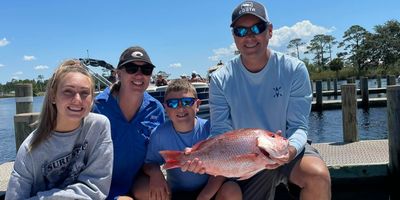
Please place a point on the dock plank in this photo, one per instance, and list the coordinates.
(367, 158)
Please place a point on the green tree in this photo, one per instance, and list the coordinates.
(296, 43)
(319, 45)
(39, 82)
(353, 40)
(330, 41)
(386, 43)
(336, 65)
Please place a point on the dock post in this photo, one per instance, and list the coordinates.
(364, 92)
(391, 80)
(318, 90)
(349, 113)
(312, 88)
(22, 125)
(23, 98)
(351, 80)
(335, 87)
(393, 110)
(24, 105)
(378, 81)
(328, 84)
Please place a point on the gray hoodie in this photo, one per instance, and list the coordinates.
(73, 165)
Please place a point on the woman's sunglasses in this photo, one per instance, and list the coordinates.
(185, 102)
(132, 68)
(255, 29)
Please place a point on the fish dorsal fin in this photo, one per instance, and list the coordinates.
(203, 143)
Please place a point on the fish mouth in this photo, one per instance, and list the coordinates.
(265, 153)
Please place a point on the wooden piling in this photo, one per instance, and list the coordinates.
(378, 81)
(364, 92)
(391, 80)
(349, 113)
(23, 98)
(318, 90)
(351, 80)
(328, 84)
(22, 125)
(312, 88)
(335, 87)
(393, 110)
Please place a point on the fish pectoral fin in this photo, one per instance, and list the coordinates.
(250, 156)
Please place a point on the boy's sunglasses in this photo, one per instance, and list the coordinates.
(255, 29)
(132, 68)
(185, 102)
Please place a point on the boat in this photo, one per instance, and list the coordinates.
(155, 91)
(159, 91)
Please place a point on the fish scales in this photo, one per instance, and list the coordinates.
(240, 153)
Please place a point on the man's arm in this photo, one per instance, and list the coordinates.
(299, 108)
(219, 108)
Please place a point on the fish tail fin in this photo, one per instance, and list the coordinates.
(172, 159)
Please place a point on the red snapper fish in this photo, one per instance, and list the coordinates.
(240, 153)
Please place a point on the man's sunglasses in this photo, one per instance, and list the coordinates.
(185, 102)
(132, 68)
(255, 29)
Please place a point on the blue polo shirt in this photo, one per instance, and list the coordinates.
(130, 138)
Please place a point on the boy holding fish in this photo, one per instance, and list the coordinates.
(184, 129)
(275, 95)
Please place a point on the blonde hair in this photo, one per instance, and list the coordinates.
(48, 116)
(178, 85)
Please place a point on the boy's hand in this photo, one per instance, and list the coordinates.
(159, 189)
(195, 166)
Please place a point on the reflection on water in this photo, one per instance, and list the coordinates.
(325, 126)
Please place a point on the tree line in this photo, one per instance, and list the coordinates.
(360, 53)
(38, 85)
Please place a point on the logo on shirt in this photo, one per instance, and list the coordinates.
(277, 91)
(65, 170)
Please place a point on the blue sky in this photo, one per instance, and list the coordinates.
(180, 36)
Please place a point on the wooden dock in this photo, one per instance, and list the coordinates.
(356, 160)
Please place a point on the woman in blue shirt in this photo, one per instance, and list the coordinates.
(133, 114)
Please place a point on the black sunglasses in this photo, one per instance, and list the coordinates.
(255, 29)
(132, 68)
(185, 102)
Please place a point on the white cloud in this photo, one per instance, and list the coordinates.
(29, 58)
(18, 73)
(223, 53)
(41, 67)
(15, 77)
(1, 65)
(304, 30)
(175, 65)
(4, 42)
(280, 39)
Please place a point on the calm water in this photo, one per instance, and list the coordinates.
(324, 126)
(7, 138)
